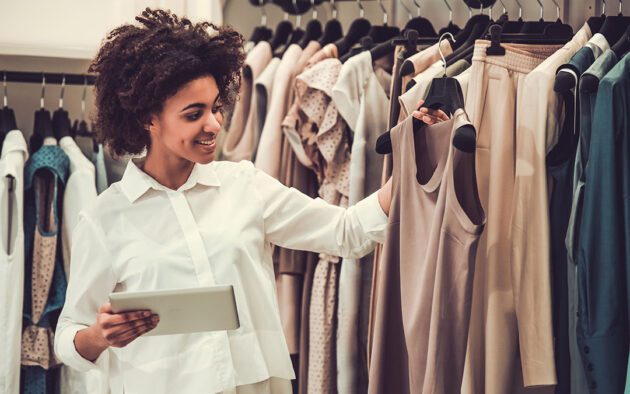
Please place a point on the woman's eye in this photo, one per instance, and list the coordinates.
(194, 116)
(218, 108)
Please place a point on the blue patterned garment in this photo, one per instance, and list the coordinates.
(45, 174)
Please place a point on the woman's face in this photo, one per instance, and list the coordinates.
(189, 123)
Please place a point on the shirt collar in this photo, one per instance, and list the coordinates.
(136, 182)
(14, 142)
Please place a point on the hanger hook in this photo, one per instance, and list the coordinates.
(4, 88)
(541, 9)
(520, 10)
(557, 8)
(63, 88)
(450, 11)
(440, 48)
(502, 6)
(419, 8)
(361, 10)
(263, 13)
(620, 8)
(380, 3)
(41, 100)
(409, 13)
(83, 98)
(334, 9)
(298, 16)
(314, 8)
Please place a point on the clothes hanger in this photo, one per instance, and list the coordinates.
(595, 22)
(333, 30)
(615, 26)
(384, 32)
(451, 27)
(564, 81)
(359, 28)
(282, 33)
(465, 44)
(422, 25)
(590, 83)
(61, 121)
(261, 32)
(298, 32)
(474, 29)
(622, 47)
(42, 124)
(7, 116)
(444, 93)
(313, 28)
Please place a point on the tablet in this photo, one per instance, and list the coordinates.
(183, 311)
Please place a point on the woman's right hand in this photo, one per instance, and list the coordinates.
(120, 329)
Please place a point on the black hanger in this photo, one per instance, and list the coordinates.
(359, 28)
(614, 27)
(313, 28)
(261, 32)
(281, 35)
(61, 124)
(7, 116)
(622, 46)
(479, 30)
(332, 32)
(7, 120)
(420, 24)
(472, 30)
(444, 93)
(554, 33)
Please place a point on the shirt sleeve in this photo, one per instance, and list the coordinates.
(91, 281)
(296, 221)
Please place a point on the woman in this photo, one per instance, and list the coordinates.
(177, 219)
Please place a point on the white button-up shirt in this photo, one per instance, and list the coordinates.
(216, 229)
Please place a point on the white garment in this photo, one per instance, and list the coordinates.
(262, 93)
(80, 193)
(269, 152)
(14, 154)
(363, 103)
(98, 158)
(216, 229)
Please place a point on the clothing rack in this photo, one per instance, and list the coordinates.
(50, 78)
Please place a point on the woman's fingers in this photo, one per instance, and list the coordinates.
(430, 116)
(125, 334)
(122, 318)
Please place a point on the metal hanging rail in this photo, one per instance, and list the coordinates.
(51, 78)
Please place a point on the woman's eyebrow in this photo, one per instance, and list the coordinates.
(194, 105)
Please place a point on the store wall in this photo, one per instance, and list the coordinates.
(62, 35)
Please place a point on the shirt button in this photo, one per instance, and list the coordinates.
(593, 385)
(590, 367)
(587, 349)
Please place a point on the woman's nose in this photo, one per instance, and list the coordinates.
(213, 123)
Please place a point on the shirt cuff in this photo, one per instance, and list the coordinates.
(68, 354)
(372, 217)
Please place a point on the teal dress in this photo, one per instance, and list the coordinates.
(45, 174)
(603, 251)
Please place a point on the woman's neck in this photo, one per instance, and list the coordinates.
(168, 170)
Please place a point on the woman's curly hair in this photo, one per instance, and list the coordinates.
(138, 67)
